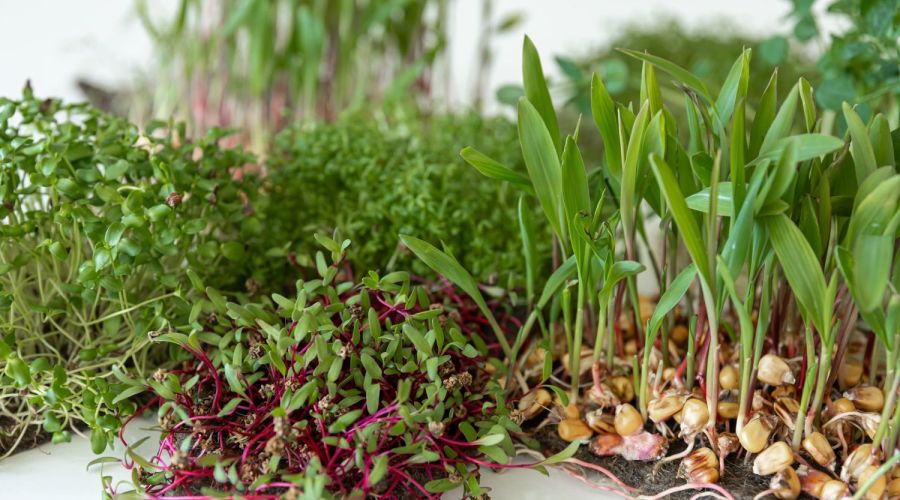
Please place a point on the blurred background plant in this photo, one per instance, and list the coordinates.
(861, 64)
(370, 182)
(260, 64)
(707, 52)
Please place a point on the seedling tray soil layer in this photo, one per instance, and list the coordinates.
(738, 479)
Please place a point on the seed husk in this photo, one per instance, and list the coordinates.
(857, 462)
(694, 416)
(813, 481)
(755, 434)
(623, 388)
(785, 484)
(818, 447)
(600, 421)
(893, 488)
(664, 407)
(773, 459)
(834, 489)
(572, 412)
(628, 420)
(729, 378)
(728, 410)
(572, 429)
(850, 374)
(630, 347)
(679, 334)
(534, 402)
(773, 370)
(697, 465)
(876, 491)
(786, 409)
(844, 405)
(866, 398)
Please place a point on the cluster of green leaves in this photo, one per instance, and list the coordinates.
(370, 184)
(800, 214)
(370, 381)
(861, 63)
(101, 228)
(259, 61)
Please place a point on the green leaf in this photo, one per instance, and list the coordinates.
(114, 233)
(806, 147)
(344, 421)
(604, 112)
(781, 124)
(490, 440)
(574, 181)
(628, 196)
(699, 201)
(233, 251)
(670, 298)
(860, 145)
(765, 113)
(371, 366)
(102, 460)
(542, 163)
(684, 219)
(529, 247)
(417, 339)
(379, 468)
(451, 269)
(373, 398)
(556, 281)
(229, 407)
(127, 393)
(735, 87)
(495, 170)
(567, 453)
(675, 70)
(801, 269)
(537, 93)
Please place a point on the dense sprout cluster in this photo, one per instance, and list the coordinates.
(376, 388)
(371, 184)
(102, 226)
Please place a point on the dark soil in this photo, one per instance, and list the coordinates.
(738, 479)
(35, 436)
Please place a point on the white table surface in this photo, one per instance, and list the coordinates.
(55, 472)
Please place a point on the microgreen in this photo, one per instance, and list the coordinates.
(375, 388)
(104, 230)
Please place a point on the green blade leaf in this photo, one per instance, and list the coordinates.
(604, 112)
(529, 248)
(801, 268)
(699, 201)
(446, 265)
(687, 224)
(675, 70)
(784, 119)
(494, 169)
(536, 91)
(669, 299)
(860, 144)
(542, 163)
(556, 281)
(806, 147)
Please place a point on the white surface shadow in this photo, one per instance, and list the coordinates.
(52, 472)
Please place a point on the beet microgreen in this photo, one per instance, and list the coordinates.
(377, 388)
